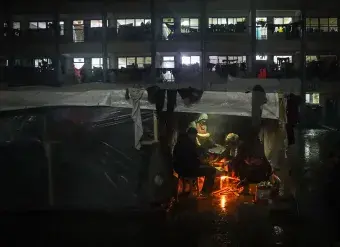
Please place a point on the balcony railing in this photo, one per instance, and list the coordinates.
(79, 35)
(216, 73)
(26, 76)
(240, 27)
(323, 70)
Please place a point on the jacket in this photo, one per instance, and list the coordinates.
(185, 156)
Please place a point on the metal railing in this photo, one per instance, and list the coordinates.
(166, 32)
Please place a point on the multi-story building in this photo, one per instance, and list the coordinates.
(287, 36)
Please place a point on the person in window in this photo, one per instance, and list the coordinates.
(187, 162)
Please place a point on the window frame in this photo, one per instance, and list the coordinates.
(227, 58)
(185, 29)
(47, 23)
(327, 28)
(36, 61)
(263, 31)
(134, 21)
(310, 98)
(144, 62)
(275, 57)
(191, 57)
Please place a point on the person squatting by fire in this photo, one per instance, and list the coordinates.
(196, 154)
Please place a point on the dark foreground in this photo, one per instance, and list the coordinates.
(210, 222)
(221, 221)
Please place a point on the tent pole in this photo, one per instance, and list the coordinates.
(155, 126)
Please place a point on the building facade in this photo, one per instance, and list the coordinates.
(169, 34)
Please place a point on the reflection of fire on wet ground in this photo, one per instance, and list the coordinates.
(226, 191)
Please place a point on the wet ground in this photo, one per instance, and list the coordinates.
(303, 221)
(225, 220)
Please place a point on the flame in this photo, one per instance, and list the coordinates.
(223, 201)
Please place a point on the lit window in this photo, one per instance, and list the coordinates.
(324, 24)
(96, 63)
(168, 62)
(217, 59)
(311, 58)
(33, 25)
(261, 28)
(312, 98)
(282, 21)
(227, 59)
(312, 24)
(237, 59)
(78, 31)
(96, 23)
(168, 27)
(78, 62)
(328, 24)
(130, 61)
(139, 62)
(217, 21)
(121, 62)
(261, 57)
(333, 24)
(190, 60)
(169, 20)
(189, 25)
(16, 25)
(39, 24)
(132, 22)
(147, 60)
(62, 27)
(42, 25)
(40, 61)
(234, 21)
(276, 58)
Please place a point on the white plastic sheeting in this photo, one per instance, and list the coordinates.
(225, 103)
(136, 95)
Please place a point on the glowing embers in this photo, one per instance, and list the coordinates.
(228, 186)
(228, 192)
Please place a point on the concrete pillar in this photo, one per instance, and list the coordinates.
(178, 60)
(9, 44)
(68, 30)
(303, 56)
(203, 29)
(177, 26)
(104, 43)
(253, 34)
(57, 55)
(153, 41)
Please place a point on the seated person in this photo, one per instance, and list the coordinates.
(250, 163)
(232, 142)
(203, 138)
(187, 162)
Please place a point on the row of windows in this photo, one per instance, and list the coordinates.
(322, 24)
(192, 24)
(167, 61)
